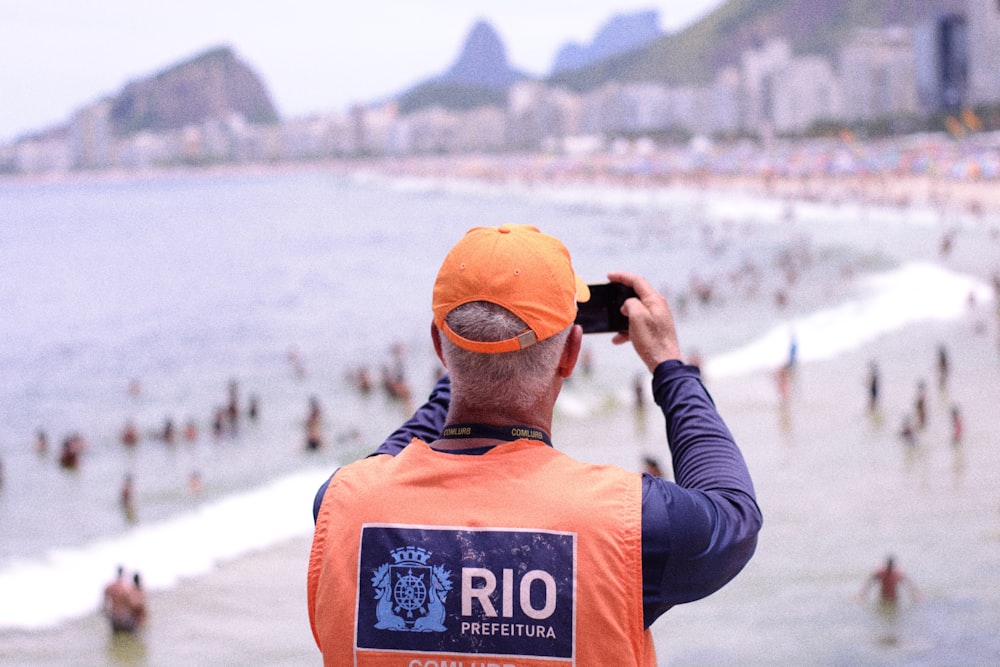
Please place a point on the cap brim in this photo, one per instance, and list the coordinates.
(582, 290)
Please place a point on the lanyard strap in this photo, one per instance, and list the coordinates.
(508, 433)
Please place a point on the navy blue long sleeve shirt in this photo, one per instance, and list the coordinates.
(697, 532)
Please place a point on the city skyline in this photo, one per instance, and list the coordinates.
(68, 54)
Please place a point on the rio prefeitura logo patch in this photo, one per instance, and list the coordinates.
(461, 591)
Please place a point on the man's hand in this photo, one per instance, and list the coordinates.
(650, 323)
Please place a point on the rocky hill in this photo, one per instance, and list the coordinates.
(214, 84)
(621, 34)
(479, 76)
(482, 61)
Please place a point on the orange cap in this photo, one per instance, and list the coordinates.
(514, 266)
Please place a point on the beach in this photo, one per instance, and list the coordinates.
(839, 488)
(255, 605)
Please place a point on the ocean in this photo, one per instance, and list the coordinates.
(153, 299)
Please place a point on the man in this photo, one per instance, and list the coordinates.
(123, 605)
(137, 600)
(467, 534)
(889, 578)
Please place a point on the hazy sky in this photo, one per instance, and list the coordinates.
(59, 55)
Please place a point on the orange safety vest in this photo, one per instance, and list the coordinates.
(519, 557)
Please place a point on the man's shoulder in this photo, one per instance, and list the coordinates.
(606, 476)
(361, 466)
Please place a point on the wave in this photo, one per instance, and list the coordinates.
(166, 552)
(914, 292)
(888, 302)
(738, 204)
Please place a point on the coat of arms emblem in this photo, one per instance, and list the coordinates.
(411, 592)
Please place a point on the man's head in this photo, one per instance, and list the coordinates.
(517, 268)
(505, 300)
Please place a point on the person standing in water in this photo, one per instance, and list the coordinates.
(890, 580)
(873, 386)
(124, 603)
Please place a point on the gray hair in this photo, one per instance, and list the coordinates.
(500, 380)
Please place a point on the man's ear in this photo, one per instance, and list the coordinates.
(571, 351)
(436, 338)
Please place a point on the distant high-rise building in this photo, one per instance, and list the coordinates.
(925, 58)
(953, 61)
(806, 91)
(90, 136)
(757, 71)
(879, 74)
(984, 51)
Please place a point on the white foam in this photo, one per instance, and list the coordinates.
(915, 292)
(68, 583)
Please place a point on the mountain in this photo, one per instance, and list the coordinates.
(630, 47)
(622, 33)
(213, 84)
(482, 61)
(480, 76)
(694, 55)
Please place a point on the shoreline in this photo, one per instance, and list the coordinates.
(960, 185)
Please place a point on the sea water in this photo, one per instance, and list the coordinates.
(143, 299)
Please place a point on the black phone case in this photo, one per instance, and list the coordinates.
(602, 312)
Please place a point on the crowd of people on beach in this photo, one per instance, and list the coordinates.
(975, 156)
(938, 169)
(74, 447)
(124, 599)
(915, 421)
(225, 422)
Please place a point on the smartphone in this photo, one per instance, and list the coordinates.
(603, 312)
